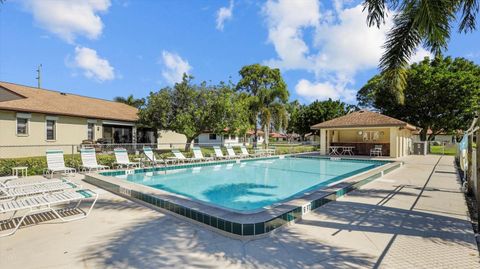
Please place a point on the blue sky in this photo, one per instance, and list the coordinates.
(108, 48)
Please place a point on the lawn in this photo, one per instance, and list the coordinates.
(443, 150)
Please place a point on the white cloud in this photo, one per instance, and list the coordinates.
(342, 44)
(69, 18)
(93, 66)
(174, 67)
(224, 14)
(324, 90)
(419, 55)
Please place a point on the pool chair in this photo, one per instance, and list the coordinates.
(179, 157)
(231, 153)
(197, 153)
(89, 160)
(122, 160)
(244, 152)
(35, 189)
(152, 159)
(56, 163)
(45, 203)
(219, 154)
(14, 181)
(376, 151)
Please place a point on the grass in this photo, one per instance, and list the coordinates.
(443, 150)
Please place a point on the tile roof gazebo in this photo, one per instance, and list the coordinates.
(363, 130)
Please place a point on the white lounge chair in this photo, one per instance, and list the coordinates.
(219, 153)
(245, 152)
(197, 153)
(151, 156)
(56, 163)
(179, 157)
(231, 153)
(89, 160)
(14, 181)
(40, 188)
(122, 159)
(45, 203)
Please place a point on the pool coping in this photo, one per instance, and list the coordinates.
(233, 223)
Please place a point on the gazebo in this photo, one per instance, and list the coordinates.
(363, 132)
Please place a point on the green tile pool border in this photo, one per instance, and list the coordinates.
(229, 226)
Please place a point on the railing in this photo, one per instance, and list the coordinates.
(34, 156)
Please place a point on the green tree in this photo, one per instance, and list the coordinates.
(426, 22)
(193, 109)
(317, 112)
(130, 100)
(441, 94)
(268, 96)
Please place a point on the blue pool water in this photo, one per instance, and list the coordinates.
(252, 185)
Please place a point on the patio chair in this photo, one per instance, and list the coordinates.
(179, 157)
(197, 153)
(244, 152)
(34, 189)
(219, 153)
(231, 153)
(46, 203)
(89, 160)
(376, 151)
(122, 160)
(56, 163)
(151, 157)
(14, 181)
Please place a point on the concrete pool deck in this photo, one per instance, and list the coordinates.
(414, 217)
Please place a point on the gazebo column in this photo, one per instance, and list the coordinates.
(323, 142)
(393, 142)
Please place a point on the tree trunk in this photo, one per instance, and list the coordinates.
(423, 134)
(255, 136)
(189, 142)
(478, 173)
(266, 133)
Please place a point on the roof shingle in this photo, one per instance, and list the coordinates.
(363, 118)
(36, 100)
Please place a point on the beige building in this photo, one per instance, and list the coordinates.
(51, 119)
(363, 131)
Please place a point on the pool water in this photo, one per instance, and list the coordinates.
(252, 185)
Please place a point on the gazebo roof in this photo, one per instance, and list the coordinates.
(363, 118)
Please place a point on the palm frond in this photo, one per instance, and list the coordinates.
(377, 12)
(470, 9)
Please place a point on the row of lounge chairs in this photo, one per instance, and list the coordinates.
(20, 198)
(56, 162)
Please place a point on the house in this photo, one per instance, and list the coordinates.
(278, 137)
(213, 139)
(363, 130)
(51, 119)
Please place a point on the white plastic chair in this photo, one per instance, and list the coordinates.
(89, 160)
(56, 163)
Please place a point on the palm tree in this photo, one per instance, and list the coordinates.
(268, 96)
(426, 22)
(130, 100)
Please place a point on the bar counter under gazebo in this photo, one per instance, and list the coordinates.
(365, 133)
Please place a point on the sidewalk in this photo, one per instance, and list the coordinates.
(414, 217)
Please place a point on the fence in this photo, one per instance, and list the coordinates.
(34, 156)
(442, 148)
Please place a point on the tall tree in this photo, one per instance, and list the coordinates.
(268, 96)
(441, 95)
(317, 112)
(193, 109)
(130, 100)
(426, 22)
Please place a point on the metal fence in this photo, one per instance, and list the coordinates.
(34, 156)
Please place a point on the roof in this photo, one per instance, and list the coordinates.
(35, 100)
(363, 118)
(277, 135)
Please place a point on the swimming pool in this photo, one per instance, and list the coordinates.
(253, 185)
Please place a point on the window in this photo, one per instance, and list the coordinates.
(22, 126)
(51, 129)
(226, 137)
(91, 131)
(212, 136)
